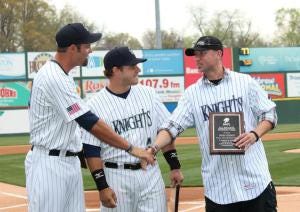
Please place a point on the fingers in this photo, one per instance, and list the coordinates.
(244, 140)
(108, 198)
(144, 164)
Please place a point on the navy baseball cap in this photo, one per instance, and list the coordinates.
(205, 43)
(120, 56)
(75, 33)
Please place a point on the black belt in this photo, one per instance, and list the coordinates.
(56, 152)
(134, 166)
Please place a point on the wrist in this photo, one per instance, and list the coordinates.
(255, 134)
(129, 149)
(154, 148)
(172, 159)
(99, 178)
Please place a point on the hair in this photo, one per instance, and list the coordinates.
(108, 73)
(64, 49)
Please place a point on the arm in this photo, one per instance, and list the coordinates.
(106, 194)
(267, 122)
(91, 123)
(171, 157)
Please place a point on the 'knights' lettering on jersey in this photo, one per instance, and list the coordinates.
(133, 122)
(231, 105)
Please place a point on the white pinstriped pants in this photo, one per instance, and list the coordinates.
(137, 190)
(53, 183)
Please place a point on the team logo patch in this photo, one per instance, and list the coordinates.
(73, 108)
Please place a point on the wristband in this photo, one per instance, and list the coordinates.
(256, 136)
(129, 148)
(99, 178)
(154, 149)
(172, 159)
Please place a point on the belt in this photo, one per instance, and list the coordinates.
(56, 152)
(133, 166)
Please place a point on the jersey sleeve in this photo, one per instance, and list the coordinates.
(181, 118)
(87, 137)
(258, 99)
(161, 111)
(63, 95)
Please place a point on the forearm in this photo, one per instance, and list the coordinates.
(263, 127)
(104, 133)
(94, 163)
(164, 141)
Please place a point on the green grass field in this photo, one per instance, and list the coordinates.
(190, 132)
(284, 167)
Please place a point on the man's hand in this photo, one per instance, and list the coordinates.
(143, 154)
(176, 177)
(244, 140)
(108, 198)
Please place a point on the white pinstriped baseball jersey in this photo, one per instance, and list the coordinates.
(54, 104)
(54, 183)
(227, 178)
(137, 119)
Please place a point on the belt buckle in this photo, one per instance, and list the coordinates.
(63, 153)
(121, 165)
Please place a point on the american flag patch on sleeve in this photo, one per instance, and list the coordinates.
(73, 109)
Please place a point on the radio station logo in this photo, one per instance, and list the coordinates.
(8, 93)
(94, 62)
(269, 85)
(5, 64)
(39, 61)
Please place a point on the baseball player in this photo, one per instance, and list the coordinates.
(231, 182)
(53, 174)
(134, 112)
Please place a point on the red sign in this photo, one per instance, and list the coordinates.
(191, 73)
(273, 84)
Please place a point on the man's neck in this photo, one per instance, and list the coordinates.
(215, 74)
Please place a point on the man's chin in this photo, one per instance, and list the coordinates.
(85, 63)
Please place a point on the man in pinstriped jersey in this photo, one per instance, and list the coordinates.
(53, 174)
(232, 183)
(134, 112)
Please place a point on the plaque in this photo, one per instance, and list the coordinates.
(223, 129)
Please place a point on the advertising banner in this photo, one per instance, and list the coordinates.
(163, 62)
(14, 121)
(92, 86)
(269, 59)
(273, 84)
(168, 88)
(37, 59)
(293, 84)
(12, 66)
(191, 73)
(14, 93)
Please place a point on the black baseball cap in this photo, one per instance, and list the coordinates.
(75, 33)
(121, 56)
(205, 43)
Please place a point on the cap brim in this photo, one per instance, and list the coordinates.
(189, 52)
(137, 60)
(94, 37)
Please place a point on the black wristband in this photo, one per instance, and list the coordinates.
(99, 178)
(172, 159)
(129, 149)
(256, 136)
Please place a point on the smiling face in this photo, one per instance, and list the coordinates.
(129, 75)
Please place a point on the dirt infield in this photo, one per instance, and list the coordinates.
(14, 199)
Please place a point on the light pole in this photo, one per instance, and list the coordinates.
(157, 21)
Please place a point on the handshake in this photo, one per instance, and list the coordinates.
(147, 156)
